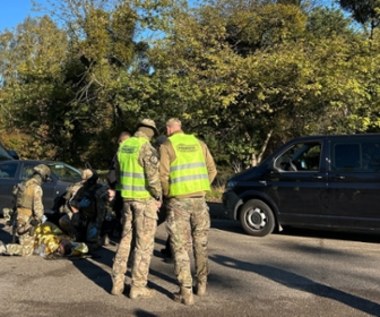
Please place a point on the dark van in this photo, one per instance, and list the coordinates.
(326, 182)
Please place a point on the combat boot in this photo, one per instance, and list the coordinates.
(118, 285)
(201, 288)
(142, 292)
(3, 249)
(184, 296)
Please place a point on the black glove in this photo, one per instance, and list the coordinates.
(35, 222)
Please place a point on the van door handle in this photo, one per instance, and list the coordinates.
(318, 177)
(340, 177)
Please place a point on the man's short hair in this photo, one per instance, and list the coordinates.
(174, 121)
(123, 135)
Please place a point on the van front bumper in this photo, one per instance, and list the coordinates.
(231, 203)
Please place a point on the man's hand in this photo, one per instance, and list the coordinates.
(35, 222)
(158, 204)
(111, 194)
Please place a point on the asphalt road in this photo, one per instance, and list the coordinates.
(296, 273)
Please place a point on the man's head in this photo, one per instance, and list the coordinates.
(86, 174)
(42, 170)
(148, 126)
(123, 136)
(173, 125)
(65, 247)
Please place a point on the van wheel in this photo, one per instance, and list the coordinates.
(257, 218)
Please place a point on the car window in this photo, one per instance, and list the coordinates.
(65, 172)
(27, 171)
(8, 170)
(300, 157)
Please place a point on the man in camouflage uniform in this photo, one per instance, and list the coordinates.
(70, 219)
(30, 211)
(89, 206)
(138, 170)
(187, 169)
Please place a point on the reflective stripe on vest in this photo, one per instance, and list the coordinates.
(188, 172)
(133, 183)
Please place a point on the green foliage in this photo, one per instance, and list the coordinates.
(243, 75)
(324, 22)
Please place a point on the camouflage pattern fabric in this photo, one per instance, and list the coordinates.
(142, 216)
(25, 247)
(69, 220)
(149, 160)
(188, 223)
(69, 194)
(92, 201)
(139, 219)
(119, 267)
(45, 241)
(29, 207)
(29, 196)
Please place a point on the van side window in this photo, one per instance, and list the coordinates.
(346, 157)
(300, 157)
(371, 156)
(355, 157)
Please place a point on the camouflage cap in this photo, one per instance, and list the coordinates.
(149, 123)
(86, 174)
(43, 170)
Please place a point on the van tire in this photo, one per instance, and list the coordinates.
(257, 218)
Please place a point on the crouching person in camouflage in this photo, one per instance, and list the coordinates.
(88, 205)
(138, 170)
(29, 212)
(69, 221)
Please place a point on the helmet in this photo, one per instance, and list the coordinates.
(42, 170)
(149, 123)
(86, 174)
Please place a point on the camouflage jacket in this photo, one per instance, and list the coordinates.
(92, 201)
(29, 196)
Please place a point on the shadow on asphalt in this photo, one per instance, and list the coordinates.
(300, 282)
(88, 267)
(143, 313)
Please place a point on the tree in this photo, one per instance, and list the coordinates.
(30, 68)
(365, 12)
(324, 22)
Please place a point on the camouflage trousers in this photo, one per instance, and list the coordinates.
(188, 224)
(25, 247)
(139, 218)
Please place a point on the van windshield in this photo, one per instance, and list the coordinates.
(300, 157)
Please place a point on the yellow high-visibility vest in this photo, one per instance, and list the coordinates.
(188, 172)
(133, 181)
